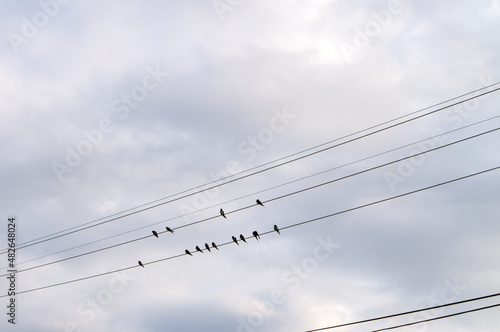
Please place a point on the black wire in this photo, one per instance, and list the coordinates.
(405, 313)
(440, 317)
(383, 165)
(269, 232)
(31, 243)
(270, 162)
(265, 201)
(261, 191)
(391, 198)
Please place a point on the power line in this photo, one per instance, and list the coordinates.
(391, 198)
(74, 230)
(265, 201)
(261, 191)
(405, 313)
(272, 231)
(440, 317)
(387, 164)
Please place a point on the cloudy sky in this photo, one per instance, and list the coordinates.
(109, 106)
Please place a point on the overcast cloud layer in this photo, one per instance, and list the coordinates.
(106, 106)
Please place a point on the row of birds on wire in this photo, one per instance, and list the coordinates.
(214, 246)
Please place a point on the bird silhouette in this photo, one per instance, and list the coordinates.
(155, 234)
(169, 230)
(222, 213)
(235, 241)
(188, 253)
(256, 235)
(198, 249)
(207, 247)
(277, 229)
(259, 202)
(214, 245)
(140, 264)
(243, 238)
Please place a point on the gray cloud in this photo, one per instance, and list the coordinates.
(215, 113)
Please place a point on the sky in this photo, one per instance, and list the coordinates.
(119, 106)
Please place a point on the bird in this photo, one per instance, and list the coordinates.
(188, 253)
(140, 264)
(235, 241)
(198, 249)
(170, 230)
(222, 213)
(207, 246)
(259, 202)
(214, 245)
(277, 229)
(243, 238)
(155, 234)
(257, 236)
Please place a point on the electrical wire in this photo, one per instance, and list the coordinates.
(266, 201)
(272, 231)
(259, 192)
(73, 230)
(391, 198)
(440, 317)
(406, 313)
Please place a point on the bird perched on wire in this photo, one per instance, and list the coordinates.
(214, 245)
(155, 233)
(169, 230)
(235, 241)
(140, 264)
(243, 238)
(207, 247)
(222, 213)
(277, 229)
(259, 202)
(198, 249)
(256, 235)
(188, 253)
